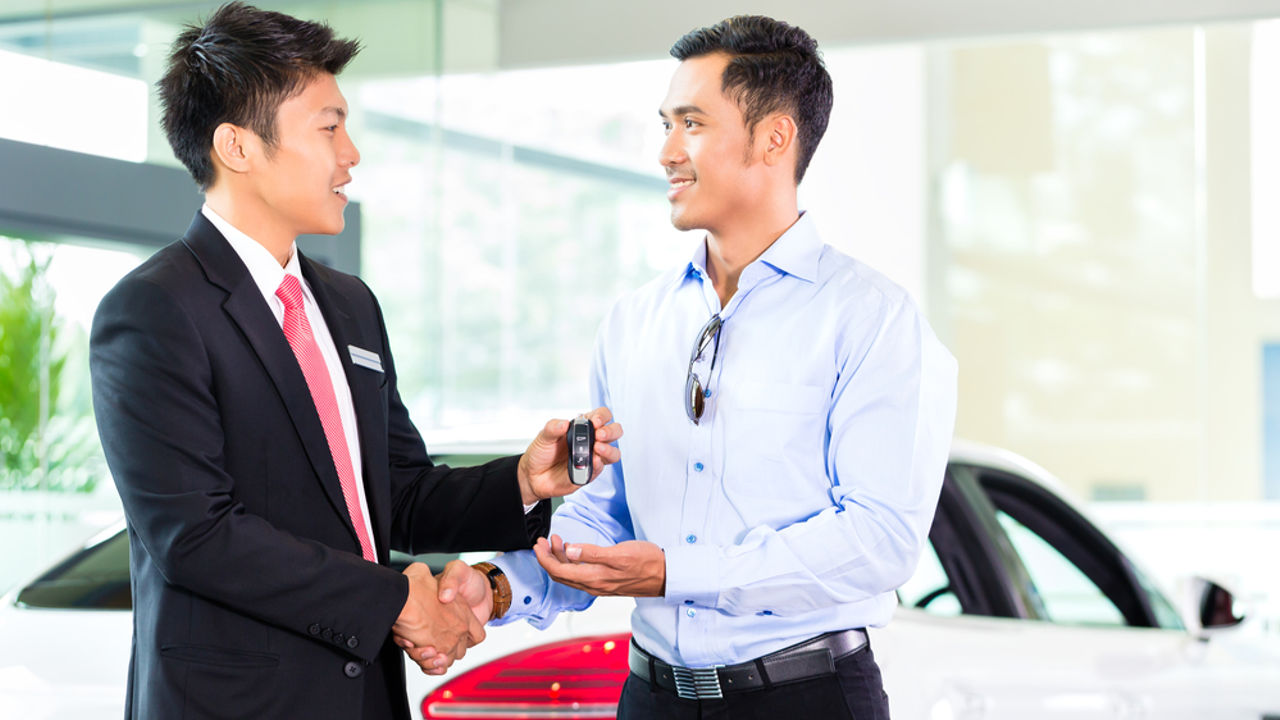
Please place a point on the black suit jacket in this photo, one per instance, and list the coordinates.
(251, 599)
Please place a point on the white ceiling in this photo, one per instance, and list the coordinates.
(554, 32)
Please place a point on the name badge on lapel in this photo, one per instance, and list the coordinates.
(365, 358)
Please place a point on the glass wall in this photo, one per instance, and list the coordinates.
(1085, 218)
(1090, 263)
(1067, 210)
(504, 211)
(54, 488)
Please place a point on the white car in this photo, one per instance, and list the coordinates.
(1020, 608)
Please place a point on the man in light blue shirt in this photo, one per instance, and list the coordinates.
(789, 414)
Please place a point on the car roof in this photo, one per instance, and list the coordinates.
(967, 452)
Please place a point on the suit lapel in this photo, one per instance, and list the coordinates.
(246, 307)
(365, 395)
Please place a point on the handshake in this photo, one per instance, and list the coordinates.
(446, 615)
(443, 616)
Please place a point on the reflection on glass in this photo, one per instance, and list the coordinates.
(1068, 595)
(517, 219)
(1067, 214)
(929, 587)
(47, 295)
(94, 578)
(73, 108)
(1264, 102)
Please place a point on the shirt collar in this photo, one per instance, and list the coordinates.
(796, 252)
(263, 266)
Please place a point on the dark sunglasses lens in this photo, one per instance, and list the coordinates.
(696, 404)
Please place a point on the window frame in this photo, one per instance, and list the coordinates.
(1077, 539)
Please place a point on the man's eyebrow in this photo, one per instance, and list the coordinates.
(682, 110)
(340, 112)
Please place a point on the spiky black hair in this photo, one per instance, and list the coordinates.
(237, 68)
(773, 67)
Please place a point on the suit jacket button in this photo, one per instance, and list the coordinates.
(327, 633)
(352, 642)
(314, 629)
(353, 669)
(339, 638)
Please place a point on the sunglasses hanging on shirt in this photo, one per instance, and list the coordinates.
(694, 391)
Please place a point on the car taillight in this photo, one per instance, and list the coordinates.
(579, 678)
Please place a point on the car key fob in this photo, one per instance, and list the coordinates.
(581, 439)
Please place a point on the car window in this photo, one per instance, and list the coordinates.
(437, 561)
(961, 570)
(1074, 572)
(94, 578)
(1066, 594)
(97, 577)
(1166, 614)
(929, 587)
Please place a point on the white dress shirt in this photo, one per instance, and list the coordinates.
(267, 275)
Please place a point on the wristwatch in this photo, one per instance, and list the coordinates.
(501, 588)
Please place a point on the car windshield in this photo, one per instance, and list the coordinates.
(95, 578)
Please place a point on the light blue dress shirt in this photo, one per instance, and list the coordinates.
(802, 499)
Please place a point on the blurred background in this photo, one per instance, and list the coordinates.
(1083, 198)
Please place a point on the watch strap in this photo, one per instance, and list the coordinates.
(501, 588)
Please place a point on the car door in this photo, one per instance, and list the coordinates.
(959, 620)
(960, 646)
(1021, 608)
(1098, 639)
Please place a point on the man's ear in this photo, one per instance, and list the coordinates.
(232, 147)
(779, 139)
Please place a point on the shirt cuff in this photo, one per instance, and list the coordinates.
(528, 588)
(693, 576)
(529, 508)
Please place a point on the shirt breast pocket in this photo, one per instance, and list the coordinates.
(775, 439)
(778, 398)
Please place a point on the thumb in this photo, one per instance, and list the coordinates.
(582, 552)
(455, 573)
(553, 431)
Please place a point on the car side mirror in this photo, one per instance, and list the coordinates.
(1215, 605)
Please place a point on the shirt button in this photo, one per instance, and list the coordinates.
(690, 612)
(691, 539)
(698, 467)
(706, 393)
(528, 599)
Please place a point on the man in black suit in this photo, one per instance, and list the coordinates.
(246, 399)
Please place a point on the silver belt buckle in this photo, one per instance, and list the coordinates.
(697, 683)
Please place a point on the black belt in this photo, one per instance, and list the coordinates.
(809, 659)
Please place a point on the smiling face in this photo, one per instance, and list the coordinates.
(713, 177)
(300, 183)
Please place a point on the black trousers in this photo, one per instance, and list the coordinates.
(855, 692)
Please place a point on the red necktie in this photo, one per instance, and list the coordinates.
(297, 330)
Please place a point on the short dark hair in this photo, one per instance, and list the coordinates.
(773, 67)
(238, 68)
